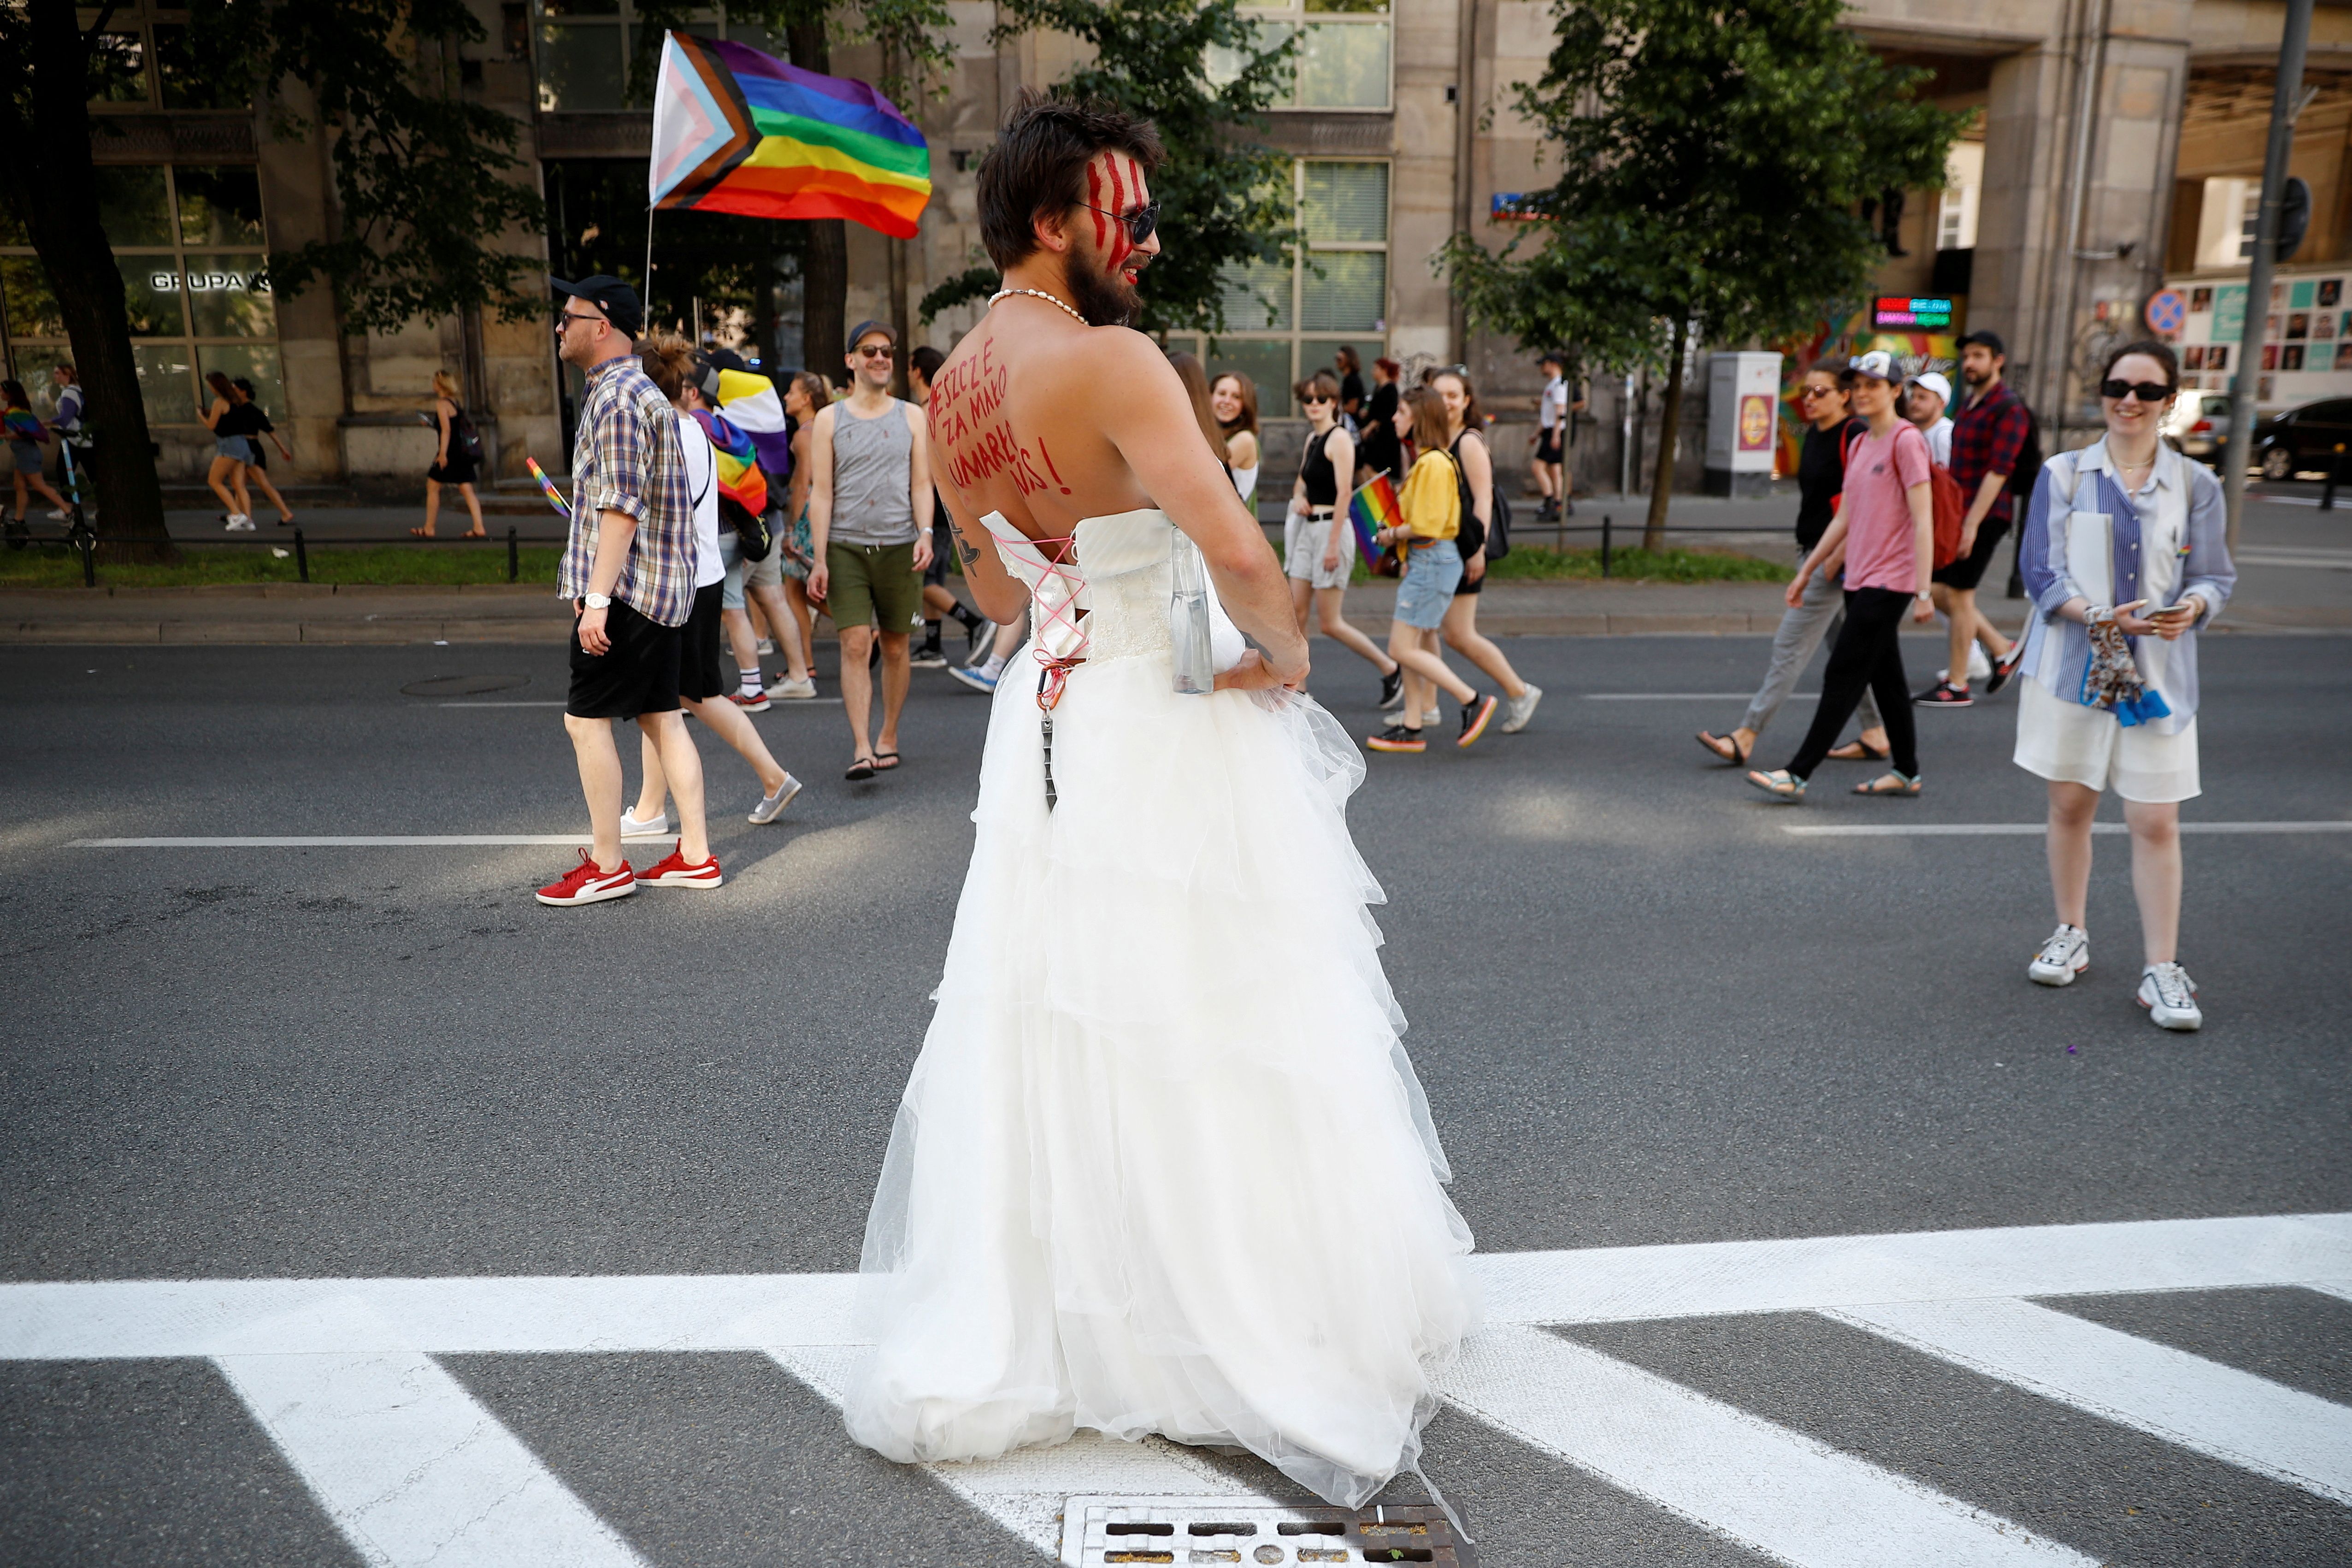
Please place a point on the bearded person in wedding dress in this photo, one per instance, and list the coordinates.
(1162, 1165)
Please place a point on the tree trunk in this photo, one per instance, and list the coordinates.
(824, 259)
(55, 191)
(1670, 418)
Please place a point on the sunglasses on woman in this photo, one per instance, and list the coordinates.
(2149, 390)
(1139, 221)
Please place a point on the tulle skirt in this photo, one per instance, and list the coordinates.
(1162, 1165)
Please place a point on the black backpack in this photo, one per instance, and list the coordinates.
(752, 539)
(1494, 538)
(465, 437)
(2029, 460)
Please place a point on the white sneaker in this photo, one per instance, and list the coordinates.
(57, 514)
(239, 523)
(800, 690)
(1520, 709)
(654, 826)
(1979, 666)
(2170, 997)
(767, 645)
(2066, 955)
(1432, 716)
(772, 807)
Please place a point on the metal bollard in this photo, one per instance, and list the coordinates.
(85, 541)
(1607, 524)
(514, 557)
(301, 557)
(2335, 467)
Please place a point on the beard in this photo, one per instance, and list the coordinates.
(1105, 298)
(1974, 376)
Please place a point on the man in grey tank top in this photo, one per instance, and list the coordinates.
(869, 507)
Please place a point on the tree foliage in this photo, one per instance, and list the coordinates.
(1713, 156)
(1223, 197)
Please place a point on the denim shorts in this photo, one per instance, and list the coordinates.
(1431, 575)
(235, 447)
(764, 574)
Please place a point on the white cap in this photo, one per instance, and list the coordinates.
(1934, 381)
(1877, 363)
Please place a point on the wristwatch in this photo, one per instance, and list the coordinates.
(597, 601)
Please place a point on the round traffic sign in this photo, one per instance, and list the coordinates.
(2167, 311)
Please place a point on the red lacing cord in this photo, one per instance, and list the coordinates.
(1056, 671)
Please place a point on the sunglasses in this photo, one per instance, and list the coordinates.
(2149, 390)
(1141, 221)
(1315, 399)
(563, 318)
(1812, 392)
(882, 353)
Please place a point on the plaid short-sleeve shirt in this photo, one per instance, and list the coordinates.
(1988, 435)
(626, 460)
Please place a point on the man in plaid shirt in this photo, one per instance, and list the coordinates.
(1989, 437)
(628, 570)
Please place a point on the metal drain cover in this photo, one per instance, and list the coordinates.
(464, 685)
(1100, 1531)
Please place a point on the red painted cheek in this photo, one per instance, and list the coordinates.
(1094, 201)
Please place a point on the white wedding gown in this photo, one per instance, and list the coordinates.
(1162, 1165)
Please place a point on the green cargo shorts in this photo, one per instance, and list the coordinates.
(873, 584)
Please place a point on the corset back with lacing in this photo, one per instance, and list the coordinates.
(1118, 574)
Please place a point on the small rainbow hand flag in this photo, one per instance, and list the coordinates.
(23, 424)
(1374, 507)
(739, 478)
(554, 497)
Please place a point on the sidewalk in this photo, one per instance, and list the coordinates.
(325, 613)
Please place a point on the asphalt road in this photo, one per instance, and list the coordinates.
(1645, 1015)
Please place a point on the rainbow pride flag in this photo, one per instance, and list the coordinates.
(739, 478)
(738, 131)
(1374, 507)
(23, 424)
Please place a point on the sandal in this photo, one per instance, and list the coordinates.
(1858, 750)
(860, 770)
(477, 533)
(1891, 782)
(885, 760)
(1726, 749)
(1781, 785)
(422, 532)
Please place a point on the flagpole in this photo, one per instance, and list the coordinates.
(649, 264)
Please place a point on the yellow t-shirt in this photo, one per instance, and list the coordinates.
(1432, 498)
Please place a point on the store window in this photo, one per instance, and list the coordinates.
(188, 241)
(1343, 56)
(1283, 322)
(584, 47)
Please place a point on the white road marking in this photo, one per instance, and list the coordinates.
(1771, 1490)
(2033, 829)
(377, 841)
(780, 703)
(2235, 1417)
(2306, 560)
(1688, 696)
(339, 1371)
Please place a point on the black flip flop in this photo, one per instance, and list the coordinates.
(885, 760)
(860, 770)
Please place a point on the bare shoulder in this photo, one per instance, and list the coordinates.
(824, 424)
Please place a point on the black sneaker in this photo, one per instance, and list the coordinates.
(1392, 688)
(1475, 713)
(2004, 667)
(973, 625)
(931, 656)
(1397, 738)
(1944, 694)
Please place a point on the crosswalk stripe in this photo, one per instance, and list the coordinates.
(2232, 1415)
(413, 1470)
(1774, 1490)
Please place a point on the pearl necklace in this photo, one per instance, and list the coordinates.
(1040, 294)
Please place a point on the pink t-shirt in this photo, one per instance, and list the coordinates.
(1880, 550)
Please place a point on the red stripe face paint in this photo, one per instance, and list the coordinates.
(1093, 205)
(1121, 247)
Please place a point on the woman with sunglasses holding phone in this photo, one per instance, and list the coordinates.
(2124, 557)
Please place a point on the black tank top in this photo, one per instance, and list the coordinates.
(1322, 484)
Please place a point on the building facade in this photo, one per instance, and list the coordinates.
(2114, 145)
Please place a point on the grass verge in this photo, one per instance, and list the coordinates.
(48, 565)
(1535, 563)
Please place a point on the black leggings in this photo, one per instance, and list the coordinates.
(1868, 653)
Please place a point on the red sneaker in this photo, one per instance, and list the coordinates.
(756, 702)
(675, 872)
(588, 883)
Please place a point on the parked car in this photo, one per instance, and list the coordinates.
(2304, 440)
(2198, 424)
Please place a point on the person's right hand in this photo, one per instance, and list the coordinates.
(1796, 592)
(817, 582)
(593, 636)
(1251, 674)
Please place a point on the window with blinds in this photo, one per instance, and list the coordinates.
(1284, 322)
(1343, 58)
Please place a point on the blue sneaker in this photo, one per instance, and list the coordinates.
(979, 678)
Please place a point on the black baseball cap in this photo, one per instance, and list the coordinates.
(615, 299)
(1990, 339)
(859, 331)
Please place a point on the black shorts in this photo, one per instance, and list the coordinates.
(1547, 446)
(1969, 570)
(698, 648)
(637, 675)
(935, 575)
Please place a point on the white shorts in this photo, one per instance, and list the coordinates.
(1303, 539)
(2070, 743)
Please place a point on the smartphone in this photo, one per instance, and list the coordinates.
(2169, 610)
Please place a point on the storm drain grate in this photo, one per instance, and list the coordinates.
(464, 685)
(1184, 1531)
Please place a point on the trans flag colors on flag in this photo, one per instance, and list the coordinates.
(1374, 507)
(738, 131)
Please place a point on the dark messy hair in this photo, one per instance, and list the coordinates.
(667, 358)
(926, 361)
(2161, 353)
(1038, 165)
